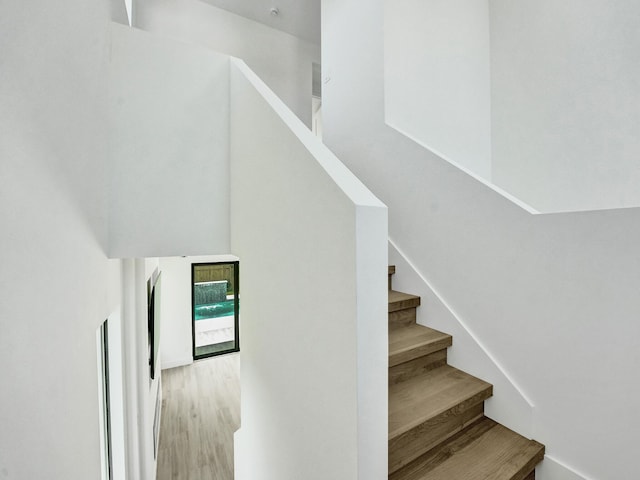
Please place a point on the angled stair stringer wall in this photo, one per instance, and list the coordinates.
(509, 405)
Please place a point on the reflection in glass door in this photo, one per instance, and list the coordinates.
(215, 308)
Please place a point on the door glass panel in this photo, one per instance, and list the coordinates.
(215, 308)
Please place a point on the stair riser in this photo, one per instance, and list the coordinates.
(419, 366)
(422, 438)
(403, 317)
(404, 304)
(419, 351)
(530, 467)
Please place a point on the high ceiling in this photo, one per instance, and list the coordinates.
(297, 17)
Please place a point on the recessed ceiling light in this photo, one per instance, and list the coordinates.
(275, 12)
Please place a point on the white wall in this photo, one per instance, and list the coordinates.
(176, 340)
(141, 392)
(149, 390)
(552, 298)
(437, 78)
(169, 144)
(282, 61)
(565, 92)
(312, 241)
(119, 11)
(117, 396)
(56, 284)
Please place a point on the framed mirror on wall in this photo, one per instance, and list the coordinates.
(215, 303)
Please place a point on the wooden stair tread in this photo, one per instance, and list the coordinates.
(484, 450)
(400, 301)
(392, 269)
(418, 399)
(407, 342)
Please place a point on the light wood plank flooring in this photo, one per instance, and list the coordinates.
(200, 413)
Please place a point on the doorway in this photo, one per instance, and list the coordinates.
(215, 305)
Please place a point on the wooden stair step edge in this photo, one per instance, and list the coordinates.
(427, 409)
(418, 366)
(392, 270)
(483, 450)
(429, 395)
(401, 301)
(408, 342)
(415, 350)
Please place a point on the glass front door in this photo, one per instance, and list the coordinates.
(215, 308)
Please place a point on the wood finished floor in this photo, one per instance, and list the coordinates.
(200, 413)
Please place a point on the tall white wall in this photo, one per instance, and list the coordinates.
(56, 284)
(169, 147)
(176, 340)
(117, 384)
(282, 61)
(552, 298)
(149, 391)
(437, 78)
(141, 392)
(565, 92)
(312, 241)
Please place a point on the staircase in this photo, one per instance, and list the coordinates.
(437, 427)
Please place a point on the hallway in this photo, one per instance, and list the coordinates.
(200, 413)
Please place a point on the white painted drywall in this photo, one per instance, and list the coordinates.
(553, 298)
(437, 78)
(565, 95)
(56, 284)
(176, 340)
(169, 143)
(282, 60)
(141, 391)
(131, 369)
(119, 11)
(149, 390)
(312, 241)
(116, 397)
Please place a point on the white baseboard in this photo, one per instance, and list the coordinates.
(552, 469)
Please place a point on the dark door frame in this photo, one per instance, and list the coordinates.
(236, 310)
